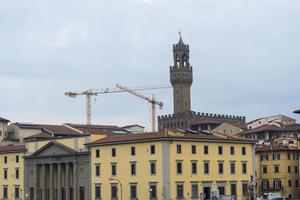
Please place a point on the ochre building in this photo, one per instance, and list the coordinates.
(12, 172)
(278, 170)
(170, 165)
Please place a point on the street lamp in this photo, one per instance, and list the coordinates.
(150, 193)
(297, 111)
(115, 179)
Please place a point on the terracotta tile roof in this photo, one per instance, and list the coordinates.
(98, 129)
(12, 148)
(274, 147)
(57, 130)
(169, 135)
(4, 120)
(41, 135)
(295, 127)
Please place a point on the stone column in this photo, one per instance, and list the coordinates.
(67, 181)
(44, 182)
(37, 180)
(74, 181)
(58, 181)
(51, 181)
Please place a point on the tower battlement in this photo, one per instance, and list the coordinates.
(202, 114)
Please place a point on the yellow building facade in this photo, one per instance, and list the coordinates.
(170, 165)
(277, 170)
(12, 172)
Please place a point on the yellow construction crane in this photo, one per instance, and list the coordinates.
(152, 101)
(94, 92)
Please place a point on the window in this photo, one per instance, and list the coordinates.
(289, 169)
(206, 168)
(221, 190)
(296, 169)
(277, 184)
(153, 191)
(244, 189)
(133, 191)
(264, 157)
(97, 191)
(288, 156)
(17, 173)
(97, 170)
(17, 192)
(114, 191)
(133, 151)
(152, 168)
(221, 167)
(5, 191)
(231, 150)
(5, 173)
(290, 183)
(265, 169)
(133, 169)
(113, 152)
(195, 190)
(265, 184)
(194, 167)
(232, 168)
(5, 159)
(276, 168)
(97, 153)
(233, 189)
(220, 150)
(17, 159)
(178, 148)
(179, 191)
(243, 150)
(194, 150)
(244, 167)
(205, 149)
(114, 169)
(152, 149)
(296, 183)
(179, 167)
(276, 156)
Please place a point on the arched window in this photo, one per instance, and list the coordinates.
(184, 60)
(177, 60)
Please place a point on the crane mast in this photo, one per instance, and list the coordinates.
(94, 92)
(152, 101)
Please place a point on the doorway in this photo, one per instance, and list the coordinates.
(206, 193)
(81, 193)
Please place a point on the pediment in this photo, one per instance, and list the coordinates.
(53, 149)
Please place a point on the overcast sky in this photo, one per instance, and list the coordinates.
(245, 56)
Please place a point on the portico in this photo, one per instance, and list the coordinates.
(56, 172)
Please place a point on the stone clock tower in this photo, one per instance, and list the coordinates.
(181, 77)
